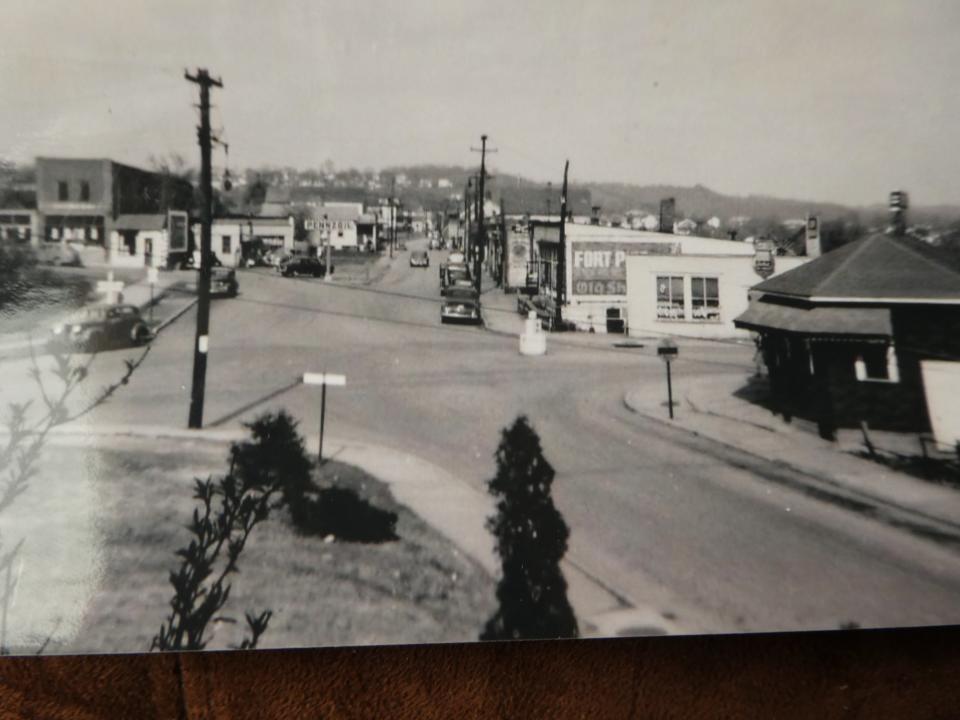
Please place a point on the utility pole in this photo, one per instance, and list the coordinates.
(466, 219)
(482, 231)
(393, 191)
(201, 341)
(562, 251)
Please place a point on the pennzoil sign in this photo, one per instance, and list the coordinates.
(600, 268)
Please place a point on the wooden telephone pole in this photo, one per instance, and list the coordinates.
(562, 252)
(481, 230)
(201, 341)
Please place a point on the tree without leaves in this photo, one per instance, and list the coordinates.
(531, 540)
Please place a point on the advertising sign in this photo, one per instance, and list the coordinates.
(177, 224)
(518, 254)
(600, 268)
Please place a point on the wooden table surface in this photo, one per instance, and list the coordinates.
(869, 674)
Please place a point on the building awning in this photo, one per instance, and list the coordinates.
(140, 222)
(834, 320)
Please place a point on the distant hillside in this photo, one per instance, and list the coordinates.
(697, 202)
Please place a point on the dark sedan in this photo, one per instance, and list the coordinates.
(302, 265)
(461, 305)
(223, 283)
(100, 327)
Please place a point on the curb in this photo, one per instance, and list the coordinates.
(830, 489)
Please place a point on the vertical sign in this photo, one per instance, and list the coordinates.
(667, 213)
(813, 236)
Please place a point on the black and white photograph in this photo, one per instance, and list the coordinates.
(330, 323)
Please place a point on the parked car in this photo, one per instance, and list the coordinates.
(223, 283)
(302, 265)
(456, 258)
(191, 261)
(460, 305)
(58, 254)
(419, 258)
(435, 244)
(99, 327)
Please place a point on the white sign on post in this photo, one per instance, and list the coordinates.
(111, 288)
(324, 379)
(153, 275)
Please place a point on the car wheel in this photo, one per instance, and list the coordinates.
(140, 334)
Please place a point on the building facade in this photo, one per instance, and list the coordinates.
(857, 335)
(80, 200)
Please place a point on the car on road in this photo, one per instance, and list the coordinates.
(99, 327)
(435, 244)
(302, 265)
(419, 258)
(223, 283)
(456, 258)
(460, 305)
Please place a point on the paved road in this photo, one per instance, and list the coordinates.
(659, 519)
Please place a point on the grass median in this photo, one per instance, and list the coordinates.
(322, 590)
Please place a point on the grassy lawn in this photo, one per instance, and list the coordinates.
(418, 588)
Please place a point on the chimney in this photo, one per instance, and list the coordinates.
(899, 203)
(813, 236)
(595, 215)
(667, 211)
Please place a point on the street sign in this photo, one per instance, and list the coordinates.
(111, 288)
(667, 350)
(324, 379)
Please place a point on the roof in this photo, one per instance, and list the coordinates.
(764, 314)
(140, 222)
(337, 213)
(880, 267)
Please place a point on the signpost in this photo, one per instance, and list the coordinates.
(668, 351)
(153, 277)
(111, 288)
(323, 379)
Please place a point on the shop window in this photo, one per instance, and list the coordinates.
(877, 363)
(63, 191)
(85, 191)
(705, 298)
(670, 304)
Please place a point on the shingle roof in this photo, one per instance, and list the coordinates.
(878, 267)
(814, 320)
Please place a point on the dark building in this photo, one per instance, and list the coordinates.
(79, 200)
(845, 337)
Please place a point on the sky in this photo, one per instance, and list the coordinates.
(806, 99)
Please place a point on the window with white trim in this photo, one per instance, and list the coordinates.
(877, 363)
(705, 298)
(670, 302)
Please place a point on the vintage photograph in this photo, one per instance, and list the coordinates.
(343, 323)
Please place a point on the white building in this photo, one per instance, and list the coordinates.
(696, 293)
(342, 226)
(233, 237)
(444, 183)
(598, 289)
(147, 240)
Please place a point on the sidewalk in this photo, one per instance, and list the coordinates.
(717, 407)
(442, 500)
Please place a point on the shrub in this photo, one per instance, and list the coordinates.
(531, 539)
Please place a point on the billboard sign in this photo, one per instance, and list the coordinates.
(178, 231)
(600, 268)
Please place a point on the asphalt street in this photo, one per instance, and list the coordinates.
(658, 520)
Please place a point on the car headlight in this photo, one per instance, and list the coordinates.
(76, 329)
(57, 329)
